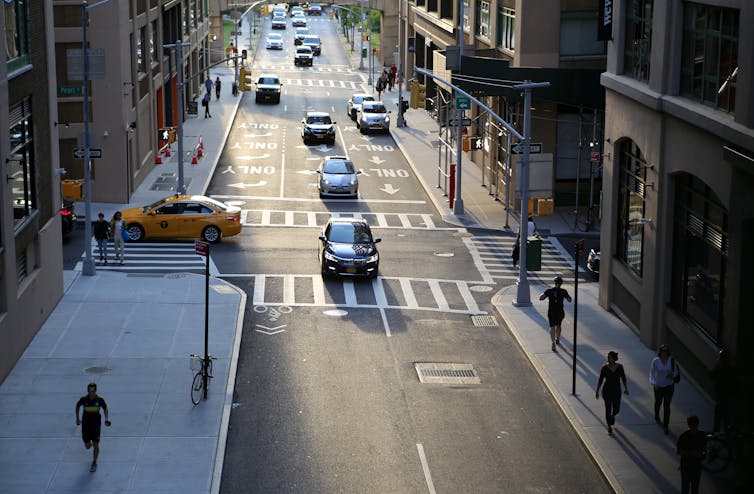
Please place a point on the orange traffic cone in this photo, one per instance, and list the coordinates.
(158, 159)
(199, 152)
(167, 152)
(201, 143)
(194, 161)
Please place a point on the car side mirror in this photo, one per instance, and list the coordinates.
(318, 172)
(322, 238)
(303, 121)
(359, 172)
(377, 240)
(390, 111)
(334, 123)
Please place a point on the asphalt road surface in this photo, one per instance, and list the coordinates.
(327, 395)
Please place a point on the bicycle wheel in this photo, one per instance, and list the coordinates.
(718, 455)
(197, 388)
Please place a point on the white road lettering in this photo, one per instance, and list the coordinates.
(390, 172)
(376, 160)
(242, 185)
(229, 169)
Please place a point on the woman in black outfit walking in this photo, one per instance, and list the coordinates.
(611, 374)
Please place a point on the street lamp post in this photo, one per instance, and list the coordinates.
(178, 46)
(361, 49)
(458, 202)
(401, 122)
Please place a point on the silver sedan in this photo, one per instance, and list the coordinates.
(337, 177)
(373, 116)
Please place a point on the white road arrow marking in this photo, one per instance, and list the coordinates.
(354, 147)
(367, 138)
(257, 135)
(237, 145)
(323, 148)
(389, 189)
(270, 332)
(376, 160)
(271, 329)
(241, 185)
(246, 157)
(307, 172)
(242, 125)
(349, 128)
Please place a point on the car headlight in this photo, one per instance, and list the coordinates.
(387, 119)
(331, 130)
(325, 181)
(307, 130)
(374, 258)
(330, 257)
(354, 180)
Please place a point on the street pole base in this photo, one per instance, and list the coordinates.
(88, 268)
(523, 297)
(458, 206)
(401, 122)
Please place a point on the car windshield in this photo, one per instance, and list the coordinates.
(146, 209)
(268, 80)
(319, 119)
(208, 200)
(303, 49)
(375, 109)
(302, 31)
(275, 37)
(350, 233)
(359, 99)
(311, 40)
(339, 167)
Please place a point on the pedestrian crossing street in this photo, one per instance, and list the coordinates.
(315, 219)
(153, 257)
(289, 290)
(492, 256)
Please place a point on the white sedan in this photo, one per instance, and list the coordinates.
(274, 41)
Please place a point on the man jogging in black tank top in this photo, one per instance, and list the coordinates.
(90, 421)
(555, 311)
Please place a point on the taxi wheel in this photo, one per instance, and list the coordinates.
(135, 232)
(211, 234)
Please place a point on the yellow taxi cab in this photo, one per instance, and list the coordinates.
(183, 216)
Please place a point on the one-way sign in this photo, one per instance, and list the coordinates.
(78, 153)
(534, 148)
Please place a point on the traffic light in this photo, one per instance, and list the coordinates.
(243, 55)
(245, 79)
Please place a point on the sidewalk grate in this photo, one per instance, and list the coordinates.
(484, 321)
(446, 373)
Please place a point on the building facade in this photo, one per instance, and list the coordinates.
(514, 40)
(133, 88)
(31, 260)
(676, 220)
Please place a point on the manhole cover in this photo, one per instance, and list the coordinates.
(483, 321)
(335, 312)
(446, 373)
(97, 370)
(480, 288)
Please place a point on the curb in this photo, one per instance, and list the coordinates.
(601, 462)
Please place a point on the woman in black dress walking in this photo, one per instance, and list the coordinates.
(611, 374)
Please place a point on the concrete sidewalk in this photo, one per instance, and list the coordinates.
(638, 457)
(132, 335)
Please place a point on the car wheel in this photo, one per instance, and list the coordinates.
(363, 130)
(211, 234)
(323, 271)
(135, 232)
(256, 99)
(353, 115)
(278, 100)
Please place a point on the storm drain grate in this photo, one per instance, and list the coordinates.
(446, 373)
(484, 321)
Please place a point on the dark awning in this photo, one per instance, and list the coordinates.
(567, 86)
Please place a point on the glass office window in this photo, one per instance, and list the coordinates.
(638, 46)
(631, 190)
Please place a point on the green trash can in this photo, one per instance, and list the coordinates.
(363, 53)
(534, 254)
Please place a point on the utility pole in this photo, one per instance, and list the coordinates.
(178, 46)
(88, 268)
(370, 79)
(458, 202)
(593, 146)
(361, 49)
(401, 122)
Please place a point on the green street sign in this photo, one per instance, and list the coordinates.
(69, 91)
(463, 103)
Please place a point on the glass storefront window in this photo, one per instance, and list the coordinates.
(631, 188)
(21, 168)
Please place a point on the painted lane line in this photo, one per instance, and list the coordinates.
(405, 223)
(282, 174)
(258, 290)
(384, 322)
(439, 297)
(425, 468)
(428, 220)
(350, 293)
(311, 218)
(319, 201)
(289, 296)
(408, 293)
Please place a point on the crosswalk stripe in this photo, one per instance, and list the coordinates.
(381, 220)
(289, 296)
(259, 282)
(428, 220)
(404, 221)
(442, 303)
(408, 293)
(266, 216)
(350, 292)
(468, 298)
(379, 292)
(311, 218)
(318, 286)
(289, 217)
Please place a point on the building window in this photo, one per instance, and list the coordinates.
(21, 170)
(577, 35)
(16, 33)
(710, 55)
(700, 253)
(140, 55)
(466, 12)
(506, 28)
(153, 44)
(631, 189)
(638, 39)
(483, 18)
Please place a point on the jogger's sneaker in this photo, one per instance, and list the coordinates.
(557, 341)
(93, 468)
(553, 347)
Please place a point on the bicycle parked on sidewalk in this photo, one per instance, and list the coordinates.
(724, 448)
(200, 384)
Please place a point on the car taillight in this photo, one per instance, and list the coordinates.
(234, 218)
(65, 212)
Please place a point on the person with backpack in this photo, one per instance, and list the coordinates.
(664, 374)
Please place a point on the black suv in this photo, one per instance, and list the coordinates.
(314, 9)
(268, 88)
(313, 41)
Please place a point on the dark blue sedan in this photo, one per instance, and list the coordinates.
(347, 248)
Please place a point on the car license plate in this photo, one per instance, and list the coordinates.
(350, 270)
